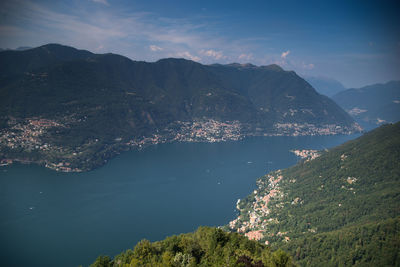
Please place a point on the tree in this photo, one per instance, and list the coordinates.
(102, 261)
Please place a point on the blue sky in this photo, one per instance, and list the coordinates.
(355, 42)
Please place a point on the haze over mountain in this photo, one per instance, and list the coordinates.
(20, 48)
(98, 100)
(324, 85)
(373, 104)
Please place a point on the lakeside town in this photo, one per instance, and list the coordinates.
(29, 140)
(210, 131)
(258, 212)
(307, 154)
(254, 219)
(302, 129)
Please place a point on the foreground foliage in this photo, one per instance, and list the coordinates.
(371, 244)
(205, 247)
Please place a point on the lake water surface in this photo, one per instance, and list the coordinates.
(68, 219)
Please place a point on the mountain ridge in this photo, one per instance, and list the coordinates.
(324, 85)
(125, 104)
(373, 104)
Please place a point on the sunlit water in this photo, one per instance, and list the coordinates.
(68, 219)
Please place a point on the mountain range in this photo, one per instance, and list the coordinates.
(63, 106)
(374, 104)
(325, 86)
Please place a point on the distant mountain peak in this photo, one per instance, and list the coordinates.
(59, 48)
(274, 67)
(325, 85)
(175, 59)
(242, 65)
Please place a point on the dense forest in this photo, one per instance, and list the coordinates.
(341, 208)
(370, 244)
(205, 247)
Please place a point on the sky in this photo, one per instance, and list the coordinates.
(354, 42)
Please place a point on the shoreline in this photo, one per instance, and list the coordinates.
(116, 149)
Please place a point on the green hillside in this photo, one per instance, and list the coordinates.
(339, 209)
(205, 247)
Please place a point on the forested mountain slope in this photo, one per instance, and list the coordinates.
(72, 110)
(341, 208)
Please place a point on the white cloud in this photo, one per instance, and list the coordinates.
(118, 30)
(104, 2)
(212, 53)
(138, 35)
(187, 55)
(285, 54)
(155, 48)
(245, 57)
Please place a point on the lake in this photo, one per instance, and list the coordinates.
(68, 219)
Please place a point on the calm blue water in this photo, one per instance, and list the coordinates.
(68, 219)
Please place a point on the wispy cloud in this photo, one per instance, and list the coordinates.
(155, 48)
(285, 54)
(138, 35)
(115, 29)
(10, 31)
(139, 30)
(247, 57)
(104, 2)
(212, 53)
(187, 55)
(40, 25)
